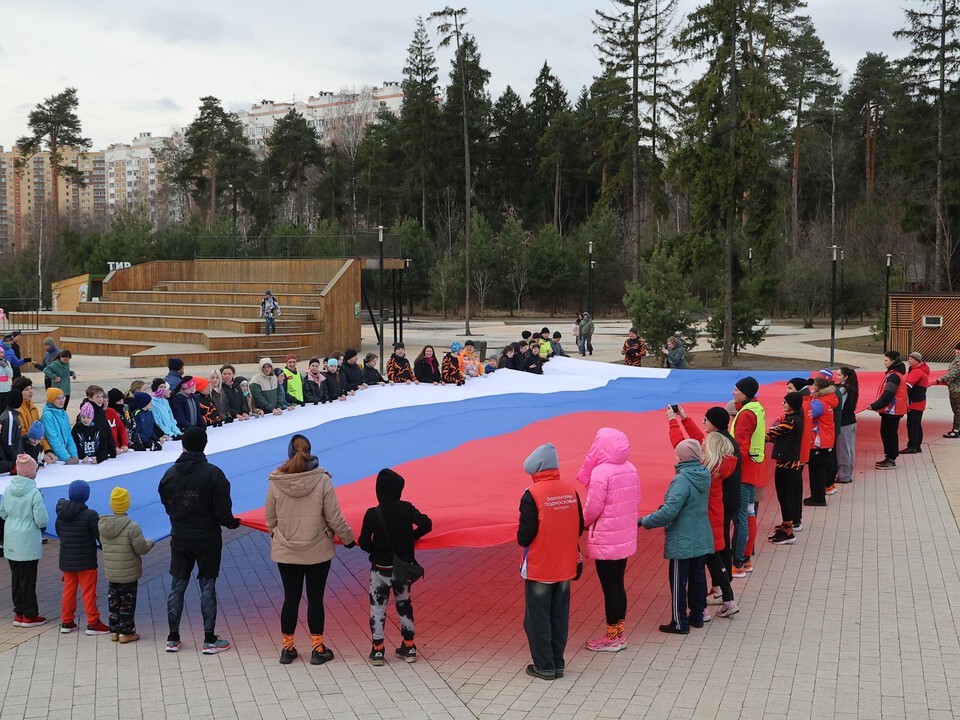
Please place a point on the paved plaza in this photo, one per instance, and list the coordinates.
(859, 619)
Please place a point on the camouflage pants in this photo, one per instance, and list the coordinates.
(122, 603)
(381, 583)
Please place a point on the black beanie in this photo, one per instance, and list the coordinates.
(174, 364)
(718, 417)
(794, 400)
(195, 440)
(798, 383)
(349, 353)
(114, 397)
(157, 382)
(14, 399)
(748, 386)
(544, 330)
(397, 346)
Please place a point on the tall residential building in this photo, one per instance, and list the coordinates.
(25, 194)
(132, 173)
(336, 116)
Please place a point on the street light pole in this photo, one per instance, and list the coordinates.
(590, 278)
(886, 304)
(843, 320)
(750, 258)
(833, 306)
(406, 266)
(380, 308)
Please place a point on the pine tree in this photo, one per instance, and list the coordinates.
(551, 129)
(54, 126)
(933, 31)
(420, 119)
(867, 102)
(293, 148)
(511, 154)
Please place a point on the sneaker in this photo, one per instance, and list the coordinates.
(17, 620)
(728, 610)
(886, 464)
(173, 646)
(407, 652)
(798, 527)
(288, 656)
(841, 481)
(606, 644)
(132, 637)
(217, 646)
(777, 529)
(533, 671)
(114, 637)
(670, 628)
(68, 627)
(832, 490)
(319, 657)
(695, 622)
(376, 656)
(910, 451)
(738, 572)
(32, 621)
(953, 434)
(748, 566)
(706, 617)
(810, 502)
(715, 597)
(784, 539)
(98, 628)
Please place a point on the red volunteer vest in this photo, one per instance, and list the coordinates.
(899, 404)
(553, 555)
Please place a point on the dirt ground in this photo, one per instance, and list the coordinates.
(710, 360)
(862, 343)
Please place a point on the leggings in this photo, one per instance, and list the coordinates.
(610, 573)
(719, 575)
(293, 577)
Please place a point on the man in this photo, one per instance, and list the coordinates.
(174, 375)
(551, 522)
(294, 381)
(891, 403)
(269, 309)
(951, 379)
(196, 496)
(749, 430)
(586, 334)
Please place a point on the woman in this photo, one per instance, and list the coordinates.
(302, 516)
(218, 398)
(823, 400)
(917, 380)
(849, 388)
(720, 457)
(676, 354)
(507, 358)
(162, 412)
(426, 368)
(610, 516)
(576, 332)
(135, 387)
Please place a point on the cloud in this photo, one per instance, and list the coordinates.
(189, 28)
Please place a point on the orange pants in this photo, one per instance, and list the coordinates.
(87, 580)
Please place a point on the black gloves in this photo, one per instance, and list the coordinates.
(232, 523)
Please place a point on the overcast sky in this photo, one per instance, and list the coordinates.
(143, 67)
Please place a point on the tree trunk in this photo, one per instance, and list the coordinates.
(868, 150)
(795, 185)
(467, 184)
(54, 187)
(938, 252)
(634, 243)
(212, 217)
(556, 196)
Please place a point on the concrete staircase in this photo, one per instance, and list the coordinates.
(149, 316)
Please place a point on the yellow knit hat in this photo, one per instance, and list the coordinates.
(119, 500)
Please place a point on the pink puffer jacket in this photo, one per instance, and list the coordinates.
(613, 496)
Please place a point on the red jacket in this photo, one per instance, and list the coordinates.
(821, 418)
(751, 472)
(918, 380)
(806, 441)
(117, 428)
(729, 464)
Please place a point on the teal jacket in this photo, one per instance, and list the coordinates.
(163, 417)
(58, 432)
(683, 515)
(24, 513)
(59, 374)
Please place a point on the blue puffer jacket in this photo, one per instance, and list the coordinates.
(58, 432)
(78, 530)
(186, 411)
(163, 417)
(683, 514)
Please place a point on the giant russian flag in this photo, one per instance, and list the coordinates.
(460, 449)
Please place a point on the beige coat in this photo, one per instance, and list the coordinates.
(303, 515)
(123, 544)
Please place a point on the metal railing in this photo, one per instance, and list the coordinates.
(19, 314)
(298, 246)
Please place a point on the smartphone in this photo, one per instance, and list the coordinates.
(675, 408)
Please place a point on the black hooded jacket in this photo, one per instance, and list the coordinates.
(106, 434)
(405, 524)
(427, 373)
(237, 404)
(78, 529)
(196, 496)
(352, 376)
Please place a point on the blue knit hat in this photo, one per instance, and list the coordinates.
(455, 347)
(79, 491)
(36, 431)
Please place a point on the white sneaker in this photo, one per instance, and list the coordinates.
(728, 610)
(798, 527)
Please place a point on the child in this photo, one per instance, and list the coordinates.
(59, 374)
(29, 414)
(314, 383)
(123, 544)
(208, 409)
(335, 388)
(24, 516)
(162, 412)
(491, 364)
(56, 427)
(555, 345)
(77, 527)
(787, 436)
(451, 371)
(398, 367)
(11, 435)
(687, 537)
(119, 419)
(546, 349)
(372, 376)
(95, 395)
(391, 528)
(33, 445)
(218, 397)
(90, 443)
(532, 360)
(147, 435)
(186, 410)
(266, 390)
(248, 397)
(293, 381)
(352, 374)
(634, 349)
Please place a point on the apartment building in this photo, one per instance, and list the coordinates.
(133, 172)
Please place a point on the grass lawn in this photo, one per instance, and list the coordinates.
(861, 343)
(710, 360)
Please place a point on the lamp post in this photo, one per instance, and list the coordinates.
(750, 259)
(843, 314)
(833, 306)
(590, 278)
(406, 264)
(886, 304)
(380, 308)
